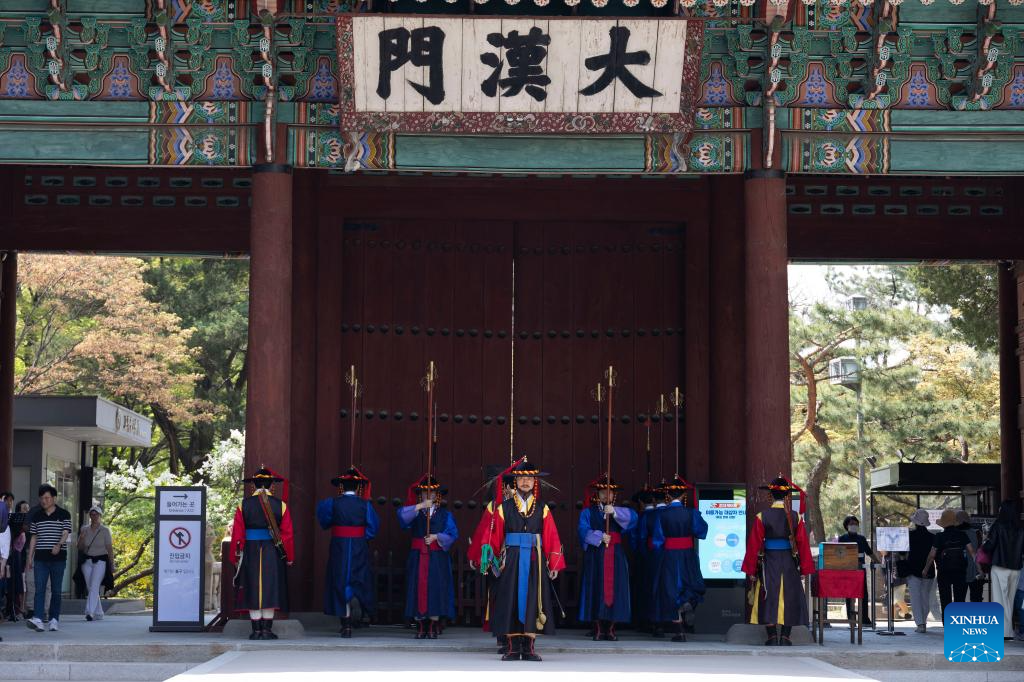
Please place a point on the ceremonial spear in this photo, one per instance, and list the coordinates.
(357, 389)
(610, 377)
(428, 385)
(662, 408)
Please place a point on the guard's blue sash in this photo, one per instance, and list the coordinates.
(257, 534)
(525, 542)
(776, 543)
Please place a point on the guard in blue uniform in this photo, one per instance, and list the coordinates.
(353, 523)
(429, 592)
(678, 583)
(642, 573)
(604, 596)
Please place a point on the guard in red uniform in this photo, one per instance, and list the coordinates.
(778, 553)
(522, 543)
(262, 546)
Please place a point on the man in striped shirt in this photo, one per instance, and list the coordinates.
(50, 526)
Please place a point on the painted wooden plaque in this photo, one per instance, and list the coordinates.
(488, 75)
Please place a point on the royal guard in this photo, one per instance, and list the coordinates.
(645, 555)
(429, 593)
(483, 529)
(678, 583)
(262, 547)
(778, 554)
(522, 544)
(604, 596)
(353, 523)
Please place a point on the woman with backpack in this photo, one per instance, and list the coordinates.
(1005, 545)
(950, 550)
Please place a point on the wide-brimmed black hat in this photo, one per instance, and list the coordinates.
(263, 475)
(524, 468)
(675, 484)
(351, 474)
(603, 482)
(780, 484)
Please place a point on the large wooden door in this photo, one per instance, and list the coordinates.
(538, 310)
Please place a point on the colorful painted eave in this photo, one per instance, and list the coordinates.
(847, 88)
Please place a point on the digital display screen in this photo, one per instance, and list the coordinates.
(721, 554)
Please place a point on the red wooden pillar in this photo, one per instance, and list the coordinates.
(767, 330)
(268, 406)
(696, 465)
(8, 322)
(728, 333)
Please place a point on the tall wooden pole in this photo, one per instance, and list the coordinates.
(268, 406)
(8, 324)
(767, 330)
(610, 377)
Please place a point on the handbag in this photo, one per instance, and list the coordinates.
(983, 557)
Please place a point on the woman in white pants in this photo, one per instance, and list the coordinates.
(1005, 545)
(97, 547)
(920, 575)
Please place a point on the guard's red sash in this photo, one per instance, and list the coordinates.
(348, 531)
(609, 568)
(679, 543)
(423, 572)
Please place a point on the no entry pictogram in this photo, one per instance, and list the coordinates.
(180, 538)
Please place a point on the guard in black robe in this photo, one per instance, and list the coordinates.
(429, 587)
(521, 537)
(262, 546)
(353, 523)
(678, 583)
(604, 593)
(778, 553)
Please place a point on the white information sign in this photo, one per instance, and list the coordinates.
(179, 533)
(894, 539)
(179, 578)
(180, 502)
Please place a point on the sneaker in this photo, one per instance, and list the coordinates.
(921, 628)
(98, 616)
(88, 618)
(36, 624)
(53, 625)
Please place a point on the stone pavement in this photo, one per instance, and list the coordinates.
(122, 648)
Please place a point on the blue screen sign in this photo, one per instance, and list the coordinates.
(721, 554)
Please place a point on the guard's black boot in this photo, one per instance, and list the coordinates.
(595, 631)
(678, 636)
(432, 629)
(657, 631)
(529, 653)
(773, 636)
(689, 614)
(346, 628)
(503, 644)
(784, 639)
(512, 652)
(609, 633)
(257, 629)
(268, 629)
(421, 629)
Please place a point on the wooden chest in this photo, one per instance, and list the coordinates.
(838, 556)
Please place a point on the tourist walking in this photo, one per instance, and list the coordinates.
(96, 552)
(974, 577)
(18, 524)
(1005, 544)
(50, 526)
(950, 550)
(5, 552)
(919, 571)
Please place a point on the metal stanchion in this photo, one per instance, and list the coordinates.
(890, 600)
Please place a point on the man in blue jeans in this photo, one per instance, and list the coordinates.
(48, 553)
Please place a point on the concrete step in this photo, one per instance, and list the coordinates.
(89, 670)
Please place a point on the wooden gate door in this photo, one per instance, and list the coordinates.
(575, 297)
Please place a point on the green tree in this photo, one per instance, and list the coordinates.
(971, 294)
(210, 296)
(926, 396)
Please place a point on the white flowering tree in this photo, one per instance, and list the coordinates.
(130, 495)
